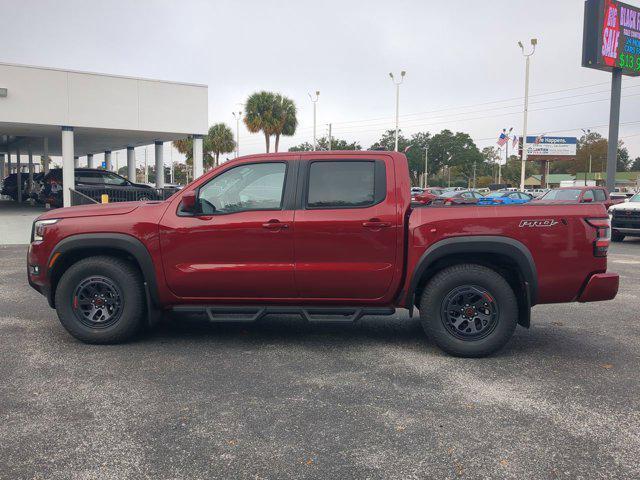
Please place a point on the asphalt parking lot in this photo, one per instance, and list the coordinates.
(283, 399)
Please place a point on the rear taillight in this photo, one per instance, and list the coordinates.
(603, 235)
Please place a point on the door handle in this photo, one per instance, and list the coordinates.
(374, 223)
(275, 225)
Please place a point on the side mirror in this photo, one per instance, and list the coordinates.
(188, 202)
(587, 200)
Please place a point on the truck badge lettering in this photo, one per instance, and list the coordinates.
(538, 223)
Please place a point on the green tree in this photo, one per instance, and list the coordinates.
(635, 166)
(456, 151)
(595, 146)
(285, 121)
(387, 142)
(185, 147)
(259, 115)
(512, 169)
(323, 144)
(219, 140)
(417, 145)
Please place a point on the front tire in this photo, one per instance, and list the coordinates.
(469, 310)
(101, 300)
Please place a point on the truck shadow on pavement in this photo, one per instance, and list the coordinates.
(544, 339)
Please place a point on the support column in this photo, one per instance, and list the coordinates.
(107, 159)
(159, 165)
(8, 161)
(131, 164)
(18, 176)
(2, 174)
(76, 162)
(614, 125)
(68, 177)
(45, 151)
(197, 155)
(90, 163)
(30, 181)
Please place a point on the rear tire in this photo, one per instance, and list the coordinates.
(616, 236)
(101, 300)
(469, 310)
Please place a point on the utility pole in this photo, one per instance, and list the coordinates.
(237, 117)
(474, 175)
(527, 56)
(586, 132)
(315, 143)
(506, 154)
(426, 174)
(330, 139)
(397, 84)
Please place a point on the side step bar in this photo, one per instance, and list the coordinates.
(220, 313)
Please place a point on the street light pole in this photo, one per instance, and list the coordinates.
(527, 57)
(397, 84)
(330, 139)
(315, 143)
(237, 117)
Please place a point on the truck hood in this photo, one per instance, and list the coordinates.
(625, 206)
(99, 209)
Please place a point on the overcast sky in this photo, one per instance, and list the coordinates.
(459, 56)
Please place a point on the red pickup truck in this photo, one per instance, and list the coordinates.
(331, 236)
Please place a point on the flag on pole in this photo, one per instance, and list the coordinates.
(503, 138)
(515, 141)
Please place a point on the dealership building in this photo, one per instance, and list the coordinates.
(50, 112)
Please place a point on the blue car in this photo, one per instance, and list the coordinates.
(505, 198)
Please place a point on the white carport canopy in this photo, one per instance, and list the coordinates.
(46, 111)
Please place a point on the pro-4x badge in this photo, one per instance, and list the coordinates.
(538, 223)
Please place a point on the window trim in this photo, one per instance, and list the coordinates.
(379, 181)
(283, 197)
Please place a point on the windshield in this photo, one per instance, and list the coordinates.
(635, 198)
(568, 194)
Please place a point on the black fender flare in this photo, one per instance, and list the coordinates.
(506, 246)
(113, 241)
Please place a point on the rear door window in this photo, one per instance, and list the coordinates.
(600, 196)
(349, 184)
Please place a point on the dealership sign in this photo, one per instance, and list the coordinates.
(611, 36)
(553, 146)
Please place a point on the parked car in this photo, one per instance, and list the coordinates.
(511, 195)
(457, 197)
(578, 195)
(10, 186)
(536, 192)
(625, 219)
(327, 235)
(427, 195)
(93, 183)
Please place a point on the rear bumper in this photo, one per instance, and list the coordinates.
(601, 286)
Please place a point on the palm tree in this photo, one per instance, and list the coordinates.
(219, 140)
(284, 113)
(258, 115)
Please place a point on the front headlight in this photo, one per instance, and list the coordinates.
(39, 228)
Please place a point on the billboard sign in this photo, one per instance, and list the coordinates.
(611, 36)
(551, 146)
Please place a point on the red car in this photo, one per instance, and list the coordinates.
(327, 235)
(578, 195)
(457, 197)
(427, 196)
